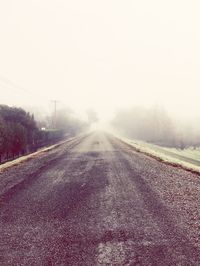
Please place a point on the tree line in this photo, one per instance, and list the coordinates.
(155, 125)
(19, 133)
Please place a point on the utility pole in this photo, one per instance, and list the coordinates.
(55, 113)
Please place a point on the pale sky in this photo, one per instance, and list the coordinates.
(101, 54)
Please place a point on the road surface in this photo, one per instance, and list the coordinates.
(96, 201)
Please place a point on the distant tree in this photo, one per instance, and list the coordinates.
(9, 139)
(69, 123)
(92, 116)
(152, 125)
(19, 139)
(2, 137)
(18, 130)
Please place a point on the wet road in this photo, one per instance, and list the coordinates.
(96, 201)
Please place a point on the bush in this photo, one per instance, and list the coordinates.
(17, 131)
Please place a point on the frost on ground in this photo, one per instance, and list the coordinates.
(188, 159)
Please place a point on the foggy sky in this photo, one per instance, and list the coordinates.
(101, 54)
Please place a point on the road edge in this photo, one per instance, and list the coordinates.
(161, 159)
(32, 155)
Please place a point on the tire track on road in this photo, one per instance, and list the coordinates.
(49, 161)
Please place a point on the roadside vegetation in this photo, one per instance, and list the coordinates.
(152, 131)
(188, 158)
(21, 134)
(154, 125)
(18, 132)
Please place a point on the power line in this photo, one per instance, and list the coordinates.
(11, 85)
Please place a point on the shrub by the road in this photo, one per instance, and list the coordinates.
(19, 133)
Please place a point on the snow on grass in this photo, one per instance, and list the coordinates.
(188, 159)
(189, 152)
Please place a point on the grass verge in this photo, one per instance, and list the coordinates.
(185, 159)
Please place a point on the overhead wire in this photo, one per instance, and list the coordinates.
(13, 86)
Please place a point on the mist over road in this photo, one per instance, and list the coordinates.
(96, 201)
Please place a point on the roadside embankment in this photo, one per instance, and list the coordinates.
(188, 159)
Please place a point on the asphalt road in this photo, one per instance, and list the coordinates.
(96, 201)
